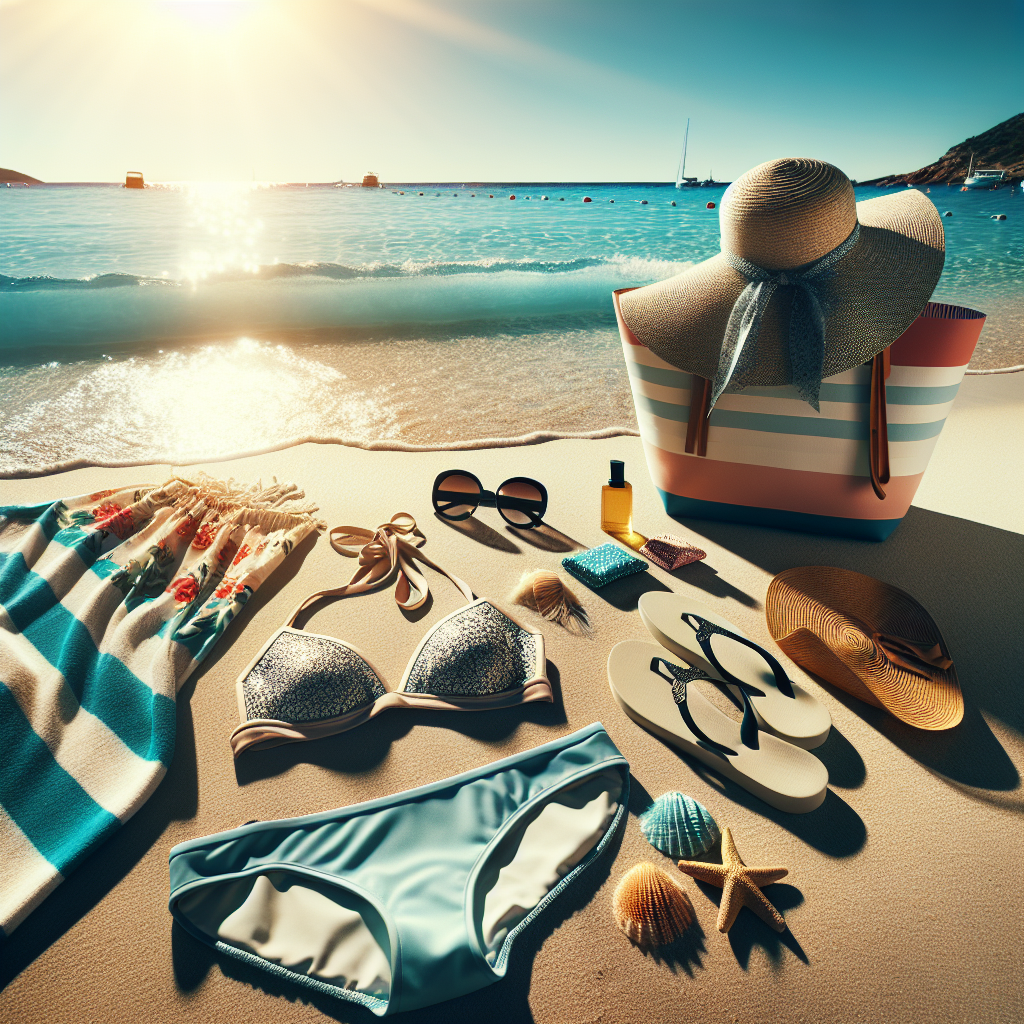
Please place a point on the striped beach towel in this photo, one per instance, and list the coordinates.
(773, 461)
(108, 602)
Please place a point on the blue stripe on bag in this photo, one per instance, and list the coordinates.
(807, 426)
(60, 819)
(104, 686)
(679, 507)
(852, 394)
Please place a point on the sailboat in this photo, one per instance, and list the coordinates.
(983, 179)
(681, 180)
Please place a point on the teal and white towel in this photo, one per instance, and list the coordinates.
(108, 602)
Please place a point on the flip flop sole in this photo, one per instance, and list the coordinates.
(802, 720)
(783, 775)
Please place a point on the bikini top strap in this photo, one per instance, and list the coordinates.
(394, 549)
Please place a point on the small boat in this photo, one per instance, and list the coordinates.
(133, 179)
(370, 180)
(983, 179)
(681, 180)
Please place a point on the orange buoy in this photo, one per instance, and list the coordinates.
(511, 197)
(710, 206)
(587, 199)
(490, 197)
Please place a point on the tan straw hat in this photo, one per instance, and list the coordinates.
(880, 261)
(869, 639)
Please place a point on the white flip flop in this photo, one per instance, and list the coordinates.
(651, 686)
(703, 637)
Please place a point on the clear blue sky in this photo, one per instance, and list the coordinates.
(527, 90)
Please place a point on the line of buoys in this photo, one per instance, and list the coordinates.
(948, 213)
(587, 199)
(710, 206)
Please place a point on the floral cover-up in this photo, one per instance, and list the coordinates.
(108, 602)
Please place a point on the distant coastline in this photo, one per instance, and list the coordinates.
(1000, 148)
(17, 178)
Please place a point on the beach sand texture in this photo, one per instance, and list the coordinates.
(902, 900)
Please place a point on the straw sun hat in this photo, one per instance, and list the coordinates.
(867, 638)
(872, 266)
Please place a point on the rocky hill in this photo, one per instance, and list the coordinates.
(26, 179)
(1000, 148)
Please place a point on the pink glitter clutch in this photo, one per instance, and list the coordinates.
(671, 552)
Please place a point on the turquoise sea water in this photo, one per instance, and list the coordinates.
(195, 321)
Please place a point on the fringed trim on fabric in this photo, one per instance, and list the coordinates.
(279, 506)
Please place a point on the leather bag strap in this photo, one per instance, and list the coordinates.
(878, 430)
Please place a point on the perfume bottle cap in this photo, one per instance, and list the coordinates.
(618, 478)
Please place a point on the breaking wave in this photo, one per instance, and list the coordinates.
(119, 310)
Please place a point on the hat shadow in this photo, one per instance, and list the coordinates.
(964, 574)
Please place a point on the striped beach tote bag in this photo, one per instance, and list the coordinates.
(771, 460)
(108, 602)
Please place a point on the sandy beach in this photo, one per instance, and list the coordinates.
(901, 898)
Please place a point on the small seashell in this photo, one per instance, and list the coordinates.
(651, 907)
(678, 826)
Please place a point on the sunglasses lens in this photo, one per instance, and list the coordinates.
(457, 496)
(521, 503)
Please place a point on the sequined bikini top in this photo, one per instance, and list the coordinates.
(302, 685)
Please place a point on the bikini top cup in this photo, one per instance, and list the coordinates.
(303, 685)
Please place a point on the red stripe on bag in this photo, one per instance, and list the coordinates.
(788, 490)
(942, 335)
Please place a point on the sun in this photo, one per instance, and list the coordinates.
(218, 15)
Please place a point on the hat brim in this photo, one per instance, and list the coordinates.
(823, 618)
(876, 292)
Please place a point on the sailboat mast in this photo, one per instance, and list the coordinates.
(682, 162)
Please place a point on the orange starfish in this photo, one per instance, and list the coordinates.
(740, 885)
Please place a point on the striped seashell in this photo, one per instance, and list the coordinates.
(650, 907)
(678, 826)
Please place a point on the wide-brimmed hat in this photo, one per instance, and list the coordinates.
(868, 638)
(871, 266)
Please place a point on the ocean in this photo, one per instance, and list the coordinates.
(190, 322)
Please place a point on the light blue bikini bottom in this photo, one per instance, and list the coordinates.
(415, 898)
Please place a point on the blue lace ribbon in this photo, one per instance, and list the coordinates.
(806, 321)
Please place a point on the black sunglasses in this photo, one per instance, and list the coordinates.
(520, 501)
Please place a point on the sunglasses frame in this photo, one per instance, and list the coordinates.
(489, 499)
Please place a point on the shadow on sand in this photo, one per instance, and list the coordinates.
(968, 577)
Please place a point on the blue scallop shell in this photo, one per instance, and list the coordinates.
(679, 826)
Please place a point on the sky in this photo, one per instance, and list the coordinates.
(495, 90)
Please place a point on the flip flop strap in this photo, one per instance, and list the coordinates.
(679, 678)
(705, 630)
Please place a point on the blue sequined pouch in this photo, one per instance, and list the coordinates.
(602, 565)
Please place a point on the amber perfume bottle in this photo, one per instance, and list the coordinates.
(617, 502)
